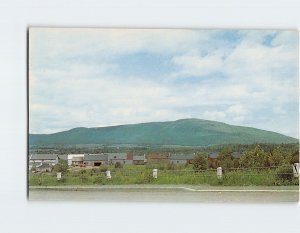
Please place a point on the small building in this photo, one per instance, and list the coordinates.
(75, 159)
(139, 159)
(182, 158)
(44, 167)
(158, 158)
(38, 159)
(63, 157)
(95, 160)
(122, 158)
(213, 155)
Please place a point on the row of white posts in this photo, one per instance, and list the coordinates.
(219, 172)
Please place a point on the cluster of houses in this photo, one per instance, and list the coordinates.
(45, 162)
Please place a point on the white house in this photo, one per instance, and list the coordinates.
(75, 159)
(38, 159)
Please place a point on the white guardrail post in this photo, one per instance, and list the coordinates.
(219, 172)
(154, 173)
(296, 169)
(108, 175)
(58, 175)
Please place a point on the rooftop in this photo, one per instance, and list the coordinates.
(43, 157)
(95, 157)
(182, 156)
(117, 156)
(213, 155)
(139, 157)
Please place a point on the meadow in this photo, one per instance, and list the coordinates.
(167, 174)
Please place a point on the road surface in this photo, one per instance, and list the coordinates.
(166, 193)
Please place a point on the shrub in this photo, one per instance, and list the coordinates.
(236, 163)
(62, 180)
(294, 158)
(83, 178)
(213, 164)
(99, 180)
(103, 169)
(62, 166)
(284, 173)
(226, 164)
(83, 171)
(276, 158)
(171, 166)
(199, 163)
(256, 157)
(118, 165)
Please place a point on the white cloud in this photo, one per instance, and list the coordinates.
(194, 65)
(75, 79)
(60, 42)
(237, 109)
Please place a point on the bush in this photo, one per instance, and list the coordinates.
(236, 163)
(62, 166)
(171, 166)
(213, 164)
(285, 173)
(294, 158)
(118, 165)
(103, 169)
(256, 157)
(84, 178)
(99, 180)
(62, 180)
(83, 171)
(200, 163)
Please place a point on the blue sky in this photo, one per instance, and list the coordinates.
(102, 77)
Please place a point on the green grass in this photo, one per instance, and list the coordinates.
(130, 174)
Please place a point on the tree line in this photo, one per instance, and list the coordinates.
(255, 156)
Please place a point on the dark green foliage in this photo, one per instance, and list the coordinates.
(294, 158)
(83, 171)
(62, 166)
(187, 132)
(103, 169)
(226, 164)
(236, 163)
(99, 180)
(200, 162)
(171, 166)
(83, 178)
(225, 159)
(225, 154)
(276, 157)
(256, 157)
(285, 173)
(118, 165)
(213, 164)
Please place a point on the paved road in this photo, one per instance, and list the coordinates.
(166, 193)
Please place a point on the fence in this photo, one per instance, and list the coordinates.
(231, 176)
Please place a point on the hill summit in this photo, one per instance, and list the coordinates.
(184, 132)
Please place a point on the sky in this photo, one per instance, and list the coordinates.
(87, 77)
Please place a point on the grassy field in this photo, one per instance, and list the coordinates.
(167, 174)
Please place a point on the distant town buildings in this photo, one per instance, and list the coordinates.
(44, 162)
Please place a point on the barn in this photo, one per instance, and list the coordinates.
(95, 160)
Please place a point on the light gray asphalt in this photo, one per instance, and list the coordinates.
(167, 193)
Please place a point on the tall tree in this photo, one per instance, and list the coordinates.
(256, 157)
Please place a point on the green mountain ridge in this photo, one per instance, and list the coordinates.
(184, 132)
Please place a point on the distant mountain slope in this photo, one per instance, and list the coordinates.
(186, 132)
